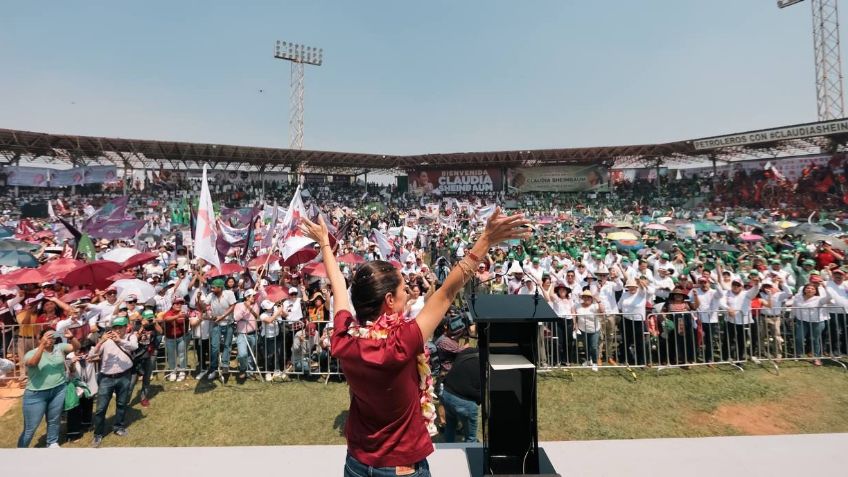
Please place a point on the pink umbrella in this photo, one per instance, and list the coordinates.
(276, 293)
(57, 269)
(351, 259)
(94, 274)
(657, 227)
(316, 270)
(301, 256)
(23, 276)
(262, 260)
(139, 259)
(748, 237)
(75, 295)
(226, 269)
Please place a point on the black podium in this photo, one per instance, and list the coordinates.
(508, 339)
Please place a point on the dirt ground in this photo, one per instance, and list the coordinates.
(767, 418)
(9, 395)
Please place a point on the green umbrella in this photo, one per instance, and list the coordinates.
(14, 244)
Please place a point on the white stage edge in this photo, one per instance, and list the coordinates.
(772, 456)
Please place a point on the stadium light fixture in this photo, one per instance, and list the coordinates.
(299, 55)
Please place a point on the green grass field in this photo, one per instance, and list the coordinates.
(579, 406)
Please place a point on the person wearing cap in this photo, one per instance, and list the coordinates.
(739, 320)
(272, 343)
(632, 304)
(174, 323)
(528, 286)
(148, 335)
(292, 313)
(115, 349)
(837, 327)
(534, 270)
(104, 303)
(810, 312)
(220, 303)
(609, 284)
(245, 314)
(588, 314)
(409, 265)
(773, 296)
(557, 295)
(705, 302)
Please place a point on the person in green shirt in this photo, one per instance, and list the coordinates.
(45, 390)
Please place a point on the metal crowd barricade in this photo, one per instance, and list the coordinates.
(13, 347)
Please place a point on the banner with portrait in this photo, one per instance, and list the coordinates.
(559, 178)
(100, 174)
(27, 176)
(67, 177)
(456, 182)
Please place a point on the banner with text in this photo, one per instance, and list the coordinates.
(559, 179)
(100, 174)
(825, 128)
(67, 177)
(461, 182)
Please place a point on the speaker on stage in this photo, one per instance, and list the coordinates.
(508, 339)
(36, 210)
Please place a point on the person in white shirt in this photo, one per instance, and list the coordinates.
(706, 302)
(557, 295)
(632, 305)
(608, 284)
(589, 325)
(409, 267)
(773, 296)
(221, 304)
(810, 318)
(837, 328)
(737, 303)
(272, 342)
(663, 284)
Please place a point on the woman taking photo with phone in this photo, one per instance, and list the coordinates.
(391, 412)
(45, 389)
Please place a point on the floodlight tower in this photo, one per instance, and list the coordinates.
(828, 57)
(299, 55)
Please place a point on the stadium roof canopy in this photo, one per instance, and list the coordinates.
(801, 139)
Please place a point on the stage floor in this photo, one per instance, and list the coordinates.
(772, 456)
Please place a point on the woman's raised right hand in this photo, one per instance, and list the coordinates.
(317, 232)
(500, 227)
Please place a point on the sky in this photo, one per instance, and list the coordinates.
(408, 77)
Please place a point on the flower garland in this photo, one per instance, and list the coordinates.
(379, 330)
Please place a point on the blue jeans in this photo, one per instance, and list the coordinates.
(36, 405)
(591, 344)
(803, 329)
(302, 366)
(242, 342)
(120, 385)
(175, 351)
(354, 468)
(215, 337)
(458, 409)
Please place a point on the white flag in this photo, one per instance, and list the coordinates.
(383, 244)
(291, 238)
(50, 212)
(205, 234)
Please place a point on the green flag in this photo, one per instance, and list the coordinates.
(85, 249)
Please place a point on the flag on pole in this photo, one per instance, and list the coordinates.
(382, 243)
(206, 235)
(50, 212)
(248, 253)
(85, 249)
(292, 239)
(268, 239)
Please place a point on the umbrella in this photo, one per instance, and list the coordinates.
(804, 229)
(666, 245)
(748, 237)
(610, 230)
(629, 245)
(6, 232)
(23, 276)
(262, 260)
(833, 241)
(623, 224)
(276, 293)
(57, 269)
(120, 255)
(657, 227)
(602, 225)
(94, 274)
(148, 237)
(301, 256)
(722, 247)
(226, 269)
(785, 224)
(18, 258)
(14, 244)
(120, 276)
(139, 259)
(351, 259)
(75, 295)
(708, 227)
(141, 289)
(622, 236)
(747, 221)
(316, 270)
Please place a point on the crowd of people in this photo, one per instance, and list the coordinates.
(636, 280)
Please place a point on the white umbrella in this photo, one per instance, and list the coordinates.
(120, 255)
(131, 286)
